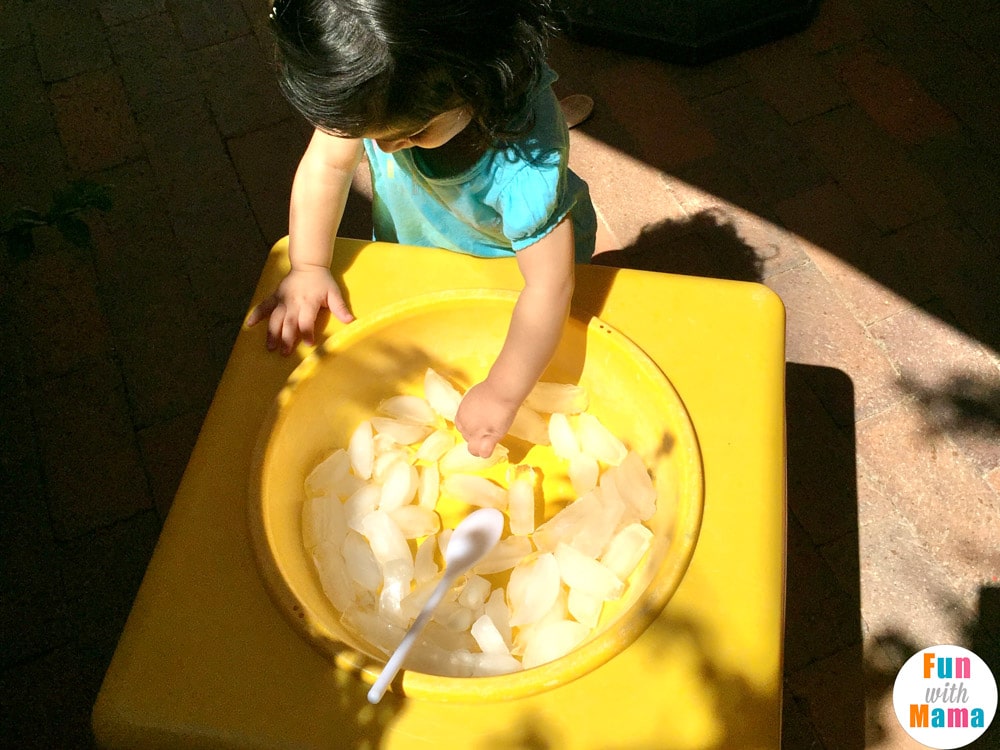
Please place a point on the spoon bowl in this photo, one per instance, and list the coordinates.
(477, 534)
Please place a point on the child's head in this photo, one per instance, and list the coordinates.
(353, 67)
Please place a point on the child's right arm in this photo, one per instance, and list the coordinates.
(319, 193)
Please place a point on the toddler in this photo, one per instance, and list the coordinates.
(451, 102)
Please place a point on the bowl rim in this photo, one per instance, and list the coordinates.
(567, 668)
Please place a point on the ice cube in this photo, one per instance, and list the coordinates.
(443, 537)
(429, 658)
(402, 433)
(473, 489)
(361, 450)
(533, 588)
(584, 471)
(360, 504)
(552, 641)
(435, 445)
(350, 485)
(521, 501)
(585, 608)
(474, 592)
(414, 601)
(564, 441)
(598, 441)
(489, 665)
(557, 612)
(453, 616)
(636, 487)
(448, 639)
(488, 637)
(360, 562)
(587, 574)
(429, 486)
(399, 487)
(565, 524)
(626, 550)
(459, 460)
(323, 520)
(386, 459)
(557, 397)
(528, 425)
(592, 535)
(383, 444)
(424, 566)
(496, 608)
(396, 581)
(443, 397)
(333, 577)
(461, 663)
(608, 486)
(329, 475)
(369, 625)
(415, 521)
(407, 408)
(386, 539)
(508, 553)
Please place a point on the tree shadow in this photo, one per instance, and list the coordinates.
(742, 711)
(885, 655)
(982, 636)
(966, 404)
(887, 652)
(531, 733)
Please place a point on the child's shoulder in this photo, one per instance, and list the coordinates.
(547, 143)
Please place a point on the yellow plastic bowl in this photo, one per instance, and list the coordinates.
(459, 334)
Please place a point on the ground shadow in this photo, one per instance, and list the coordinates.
(823, 590)
(925, 229)
(702, 245)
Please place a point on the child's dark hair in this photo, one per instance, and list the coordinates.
(351, 66)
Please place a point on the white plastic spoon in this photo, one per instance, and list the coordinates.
(477, 534)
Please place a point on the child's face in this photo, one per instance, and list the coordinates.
(435, 133)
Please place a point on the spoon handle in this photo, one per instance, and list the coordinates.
(392, 667)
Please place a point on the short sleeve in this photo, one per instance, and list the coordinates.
(532, 202)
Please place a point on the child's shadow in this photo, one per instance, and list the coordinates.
(703, 245)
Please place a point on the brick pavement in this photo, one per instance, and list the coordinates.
(852, 167)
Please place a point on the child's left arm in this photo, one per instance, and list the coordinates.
(536, 326)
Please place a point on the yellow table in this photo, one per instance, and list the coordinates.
(206, 660)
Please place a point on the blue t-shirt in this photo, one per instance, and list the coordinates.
(506, 201)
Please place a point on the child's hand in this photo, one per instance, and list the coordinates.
(293, 308)
(483, 418)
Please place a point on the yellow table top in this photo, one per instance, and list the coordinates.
(206, 660)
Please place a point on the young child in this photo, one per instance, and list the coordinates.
(451, 100)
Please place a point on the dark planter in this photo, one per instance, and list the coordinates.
(686, 31)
